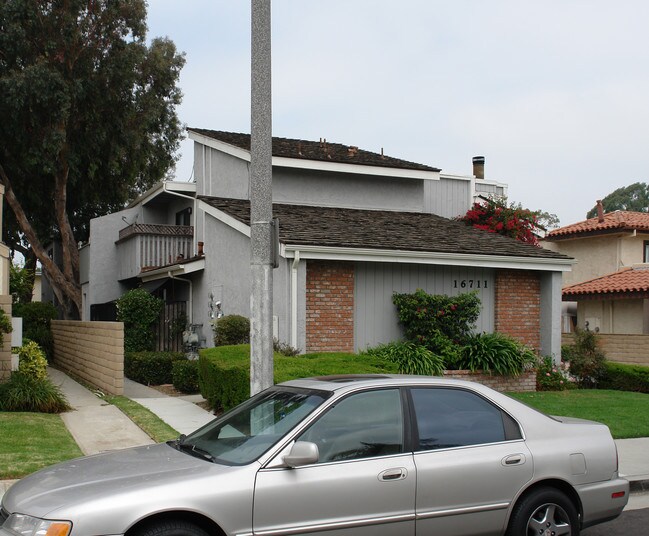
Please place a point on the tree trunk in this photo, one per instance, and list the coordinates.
(66, 289)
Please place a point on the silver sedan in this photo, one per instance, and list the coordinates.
(341, 456)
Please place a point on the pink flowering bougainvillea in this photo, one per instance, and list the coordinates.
(494, 215)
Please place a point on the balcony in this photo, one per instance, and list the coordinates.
(145, 246)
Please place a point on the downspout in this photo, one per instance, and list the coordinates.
(294, 267)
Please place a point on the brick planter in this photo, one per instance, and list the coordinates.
(523, 382)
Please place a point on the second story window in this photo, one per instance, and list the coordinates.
(184, 217)
(645, 252)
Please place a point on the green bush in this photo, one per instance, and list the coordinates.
(495, 353)
(410, 358)
(37, 318)
(550, 377)
(622, 377)
(5, 326)
(23, 392)
(31, 361)
(139, 310)
(285, 348)
(224, 371)
(426, 316)
(587, 360)
(231, 329)
(185, 376)
(151, 368)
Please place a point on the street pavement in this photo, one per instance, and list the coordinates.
(97, 426)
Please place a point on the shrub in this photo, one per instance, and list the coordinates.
(31, 361)
(622, 377)
(231, 329)
(285, 348)
(223, 384)
(151, 368)
(550, 377)
(426, 316)
(410, 358)
(495, 353)
(139, 310)
(587, 360)
(37, 318)
(23, 392)
(185, 376)
(5, 326)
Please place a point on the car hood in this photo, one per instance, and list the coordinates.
(93, 478)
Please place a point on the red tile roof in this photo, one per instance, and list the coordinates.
(617, 221)
(628, 282)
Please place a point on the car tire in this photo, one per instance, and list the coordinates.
(172, 528)
(544, 511)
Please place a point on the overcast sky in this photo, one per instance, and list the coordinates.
(554, 93)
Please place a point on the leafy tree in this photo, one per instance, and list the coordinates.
(21, 283)
(88, 121)
(495, 215)
(634, 197)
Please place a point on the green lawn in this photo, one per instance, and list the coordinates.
(31, 441)
(625, 413)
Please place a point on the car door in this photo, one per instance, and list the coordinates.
(471, 462)
(363, 484)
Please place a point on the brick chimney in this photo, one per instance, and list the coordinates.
(600, 211)
(478, 167)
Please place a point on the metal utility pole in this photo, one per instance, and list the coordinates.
(261, 204)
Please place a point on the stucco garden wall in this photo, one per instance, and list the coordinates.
(91, 351)
(620, 348)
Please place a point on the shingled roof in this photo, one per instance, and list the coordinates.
(618, 221)
(626, 283)
(323, 151)
(384, 230)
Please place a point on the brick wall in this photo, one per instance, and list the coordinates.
(5, 350)
(329, 307)
(518, 306)
(523, 382)
(92, 351)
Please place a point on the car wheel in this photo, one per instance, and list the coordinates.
(171, 528)
(544, 512)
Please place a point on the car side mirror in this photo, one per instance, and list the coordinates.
(302, 453)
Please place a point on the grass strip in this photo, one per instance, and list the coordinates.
(153, 426)
(624, 412)
(31, 441)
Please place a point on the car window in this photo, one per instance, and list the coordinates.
(245, 433)
(362, 425)
(449, 418)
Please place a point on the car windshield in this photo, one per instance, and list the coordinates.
(246, 432)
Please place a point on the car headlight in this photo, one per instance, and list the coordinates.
(23, 525)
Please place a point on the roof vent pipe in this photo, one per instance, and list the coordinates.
(478, 167)
(600, 211)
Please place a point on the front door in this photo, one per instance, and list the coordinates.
(363, 484)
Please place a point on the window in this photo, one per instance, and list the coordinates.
(449, 418)
(184, 217)
(645, 256)
(363, 425)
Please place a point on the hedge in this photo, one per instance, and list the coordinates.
(224, 371)
(151, 368)
(621, 377)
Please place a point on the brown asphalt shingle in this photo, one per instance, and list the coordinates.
(379, 229)
(315, 150)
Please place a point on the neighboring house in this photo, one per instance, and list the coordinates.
(354, 227)
(610, 280)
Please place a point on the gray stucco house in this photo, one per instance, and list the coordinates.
(354, 227)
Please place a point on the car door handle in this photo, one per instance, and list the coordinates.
(513, 459)
(390, 475)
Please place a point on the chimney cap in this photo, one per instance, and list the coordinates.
(478, 159)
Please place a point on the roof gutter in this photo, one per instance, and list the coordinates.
(427, 257)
